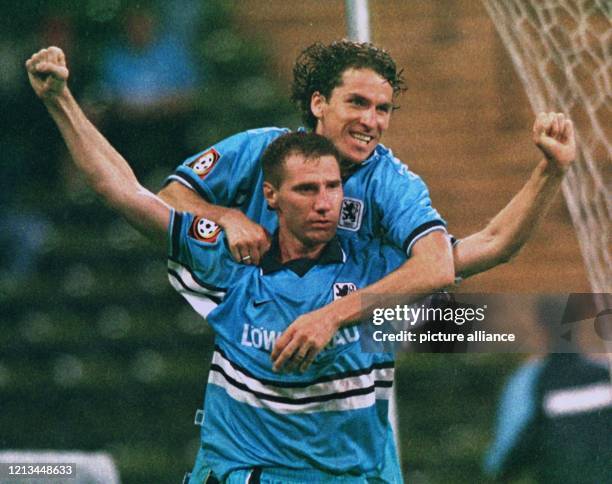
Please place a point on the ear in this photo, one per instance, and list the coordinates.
(317, 104)
(271, 195)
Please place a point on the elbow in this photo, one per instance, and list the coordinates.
(505, 256)
(108, 192)
(169, 193)
(505, 252)
(502, 247)
(116, 195)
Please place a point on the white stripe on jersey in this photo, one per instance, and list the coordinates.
(571, 401)
(203, 300)
(189, 281)
(344, 393)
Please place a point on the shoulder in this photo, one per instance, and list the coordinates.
(252, 136)
(265, 135)
(253, 140)
(384, 162)
(269, 132)
(392, 177)
(242, 143)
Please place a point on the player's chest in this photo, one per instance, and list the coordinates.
(265, 307)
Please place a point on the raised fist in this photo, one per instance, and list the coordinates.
(48, 73)
(553, 134)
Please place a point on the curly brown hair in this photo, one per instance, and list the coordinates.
(320, 67)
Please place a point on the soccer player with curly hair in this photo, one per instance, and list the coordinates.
(346, 91)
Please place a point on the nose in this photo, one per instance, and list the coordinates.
(323, 202)
(369, 118)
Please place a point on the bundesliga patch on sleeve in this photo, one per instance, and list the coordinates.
(204, 230)
(204, 163)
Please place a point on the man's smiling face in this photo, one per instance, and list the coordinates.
(356, 114)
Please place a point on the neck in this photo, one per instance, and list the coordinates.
(292, 248)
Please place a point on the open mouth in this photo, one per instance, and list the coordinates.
(362, 138)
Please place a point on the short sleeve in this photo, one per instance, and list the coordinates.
(200, 266)
(403, 203)
(224, 172)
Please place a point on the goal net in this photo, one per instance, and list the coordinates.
(562, 51)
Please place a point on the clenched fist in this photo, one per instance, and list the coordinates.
(553, 134)
(48, 73)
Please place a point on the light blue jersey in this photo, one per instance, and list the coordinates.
(332, 418)
(382, 199)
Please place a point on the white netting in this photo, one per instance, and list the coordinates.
(562, 51)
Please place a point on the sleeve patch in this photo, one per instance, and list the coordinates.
(204, 163)
(342, 289)
(204, 230)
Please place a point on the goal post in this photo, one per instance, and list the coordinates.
(561, 52)
(358, 20)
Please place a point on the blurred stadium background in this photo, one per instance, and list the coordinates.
(97, 352)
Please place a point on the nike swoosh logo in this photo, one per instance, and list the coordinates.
(256, 304)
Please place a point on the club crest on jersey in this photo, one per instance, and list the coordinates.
(342, 289)
(204, 230)
(204, 163)
(351, 214)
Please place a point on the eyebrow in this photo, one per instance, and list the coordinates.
(387, 106)
(303, 185)
(309, 185)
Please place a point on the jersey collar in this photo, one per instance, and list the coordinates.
(379, 151)
(332, 254)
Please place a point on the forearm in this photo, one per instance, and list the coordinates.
(510, 229)
(91, 152)
(105, 170)
(184, 199)
(429, 270)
